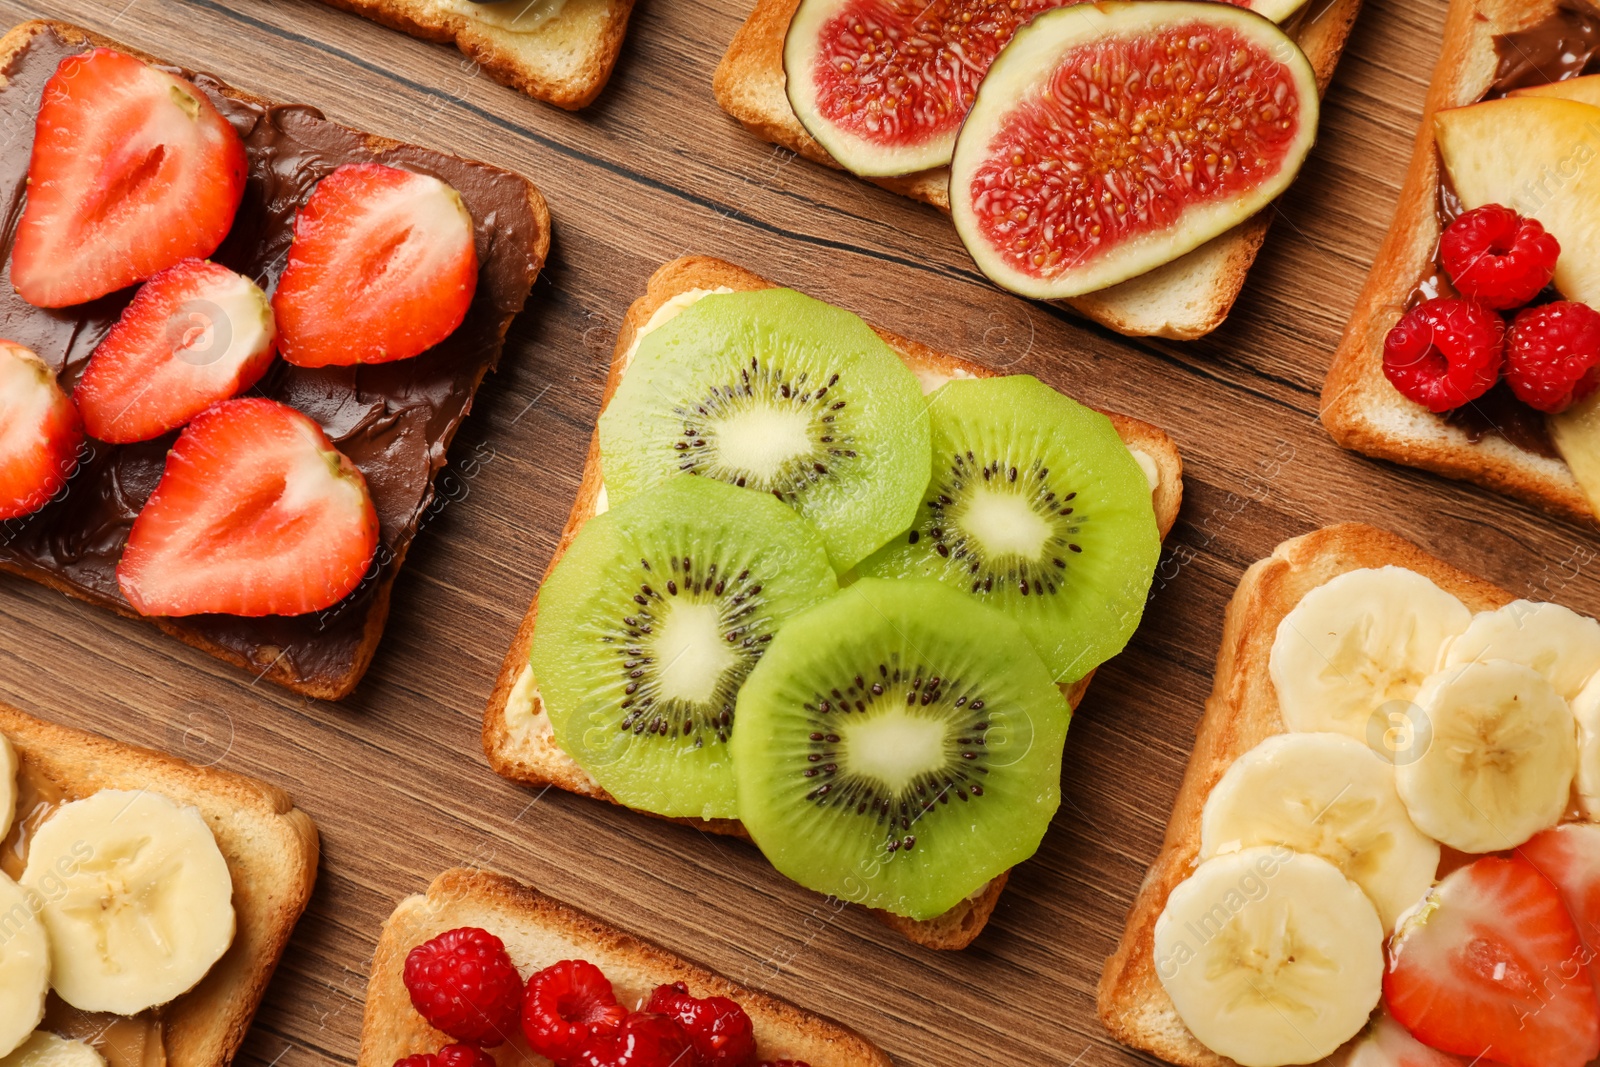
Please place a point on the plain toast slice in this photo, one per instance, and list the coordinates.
(270, 845)
(538, 932)
(565, 60)
(516, 733)
(1360, 408)
(1241, 713)
(1182, 300)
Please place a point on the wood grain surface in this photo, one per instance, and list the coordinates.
(395, 777)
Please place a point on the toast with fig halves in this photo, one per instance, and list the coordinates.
(1494, 441)
(558, 51)
(1242, 711)
(1183, 299)
(270, 847)
(517, 734)
(394, 422)
(539, 931)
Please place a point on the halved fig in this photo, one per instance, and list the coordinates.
(884, 84)
(1111, 138)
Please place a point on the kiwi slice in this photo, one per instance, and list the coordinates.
(649, 625)
(774, 391)
(898, 746)
(1036, 507)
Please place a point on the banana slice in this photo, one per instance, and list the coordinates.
(1271, 957)
(1357, 643)
(24, 966)
(44, 1049)
(1555, 641)
(1325, 795)
(8, 785)
(136, 898)
(1502, 760)
(1586, 709)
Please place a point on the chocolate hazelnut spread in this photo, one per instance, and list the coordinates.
(1565, 45)
(124, 1041)
(394, 420)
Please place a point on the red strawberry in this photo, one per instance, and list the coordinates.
(382, 267)
(194, 334)
(132, 171)
(1569, 856)
(39, 433)
(256, 514)
(1490, 965)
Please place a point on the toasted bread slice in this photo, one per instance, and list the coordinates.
(270, 845)
(1184, 299)
(322, 655)
(564, 60)
(538, 932)
(516, 733)
(1359, 407)
(1241, 713)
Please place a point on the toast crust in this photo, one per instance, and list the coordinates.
(525, 750)
(566, 61)
(270, 845)
(1360, 408)
(1241, 712)
(329, 688)
(1184, 299)
(538, 931)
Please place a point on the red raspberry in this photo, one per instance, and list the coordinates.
(1498, 257)
(1551, 355)
(566, 1005)
(719, 1028)
(645, 1040)
(449, 1056)
(463, 983)
(1444, 352)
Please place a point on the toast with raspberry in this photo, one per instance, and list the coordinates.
(1184, 299)
(563, 58)
(1241, 713)
(537, 932)
(271, 848)
(517, 736)
(1505, 450)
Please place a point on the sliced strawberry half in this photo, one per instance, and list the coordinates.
(194, 334)
(40, 433)
(256, 514)
(1490, 966)
(1388, 1044)
(1569, 856)
(382, 267)
(132, 170)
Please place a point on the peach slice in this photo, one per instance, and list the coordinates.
(1539, 156)
(1585, 90)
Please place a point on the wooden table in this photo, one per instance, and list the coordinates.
(395, 776)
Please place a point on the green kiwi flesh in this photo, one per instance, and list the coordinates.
(651, 622)
(774, 391)
(899, 746)
(1036, 507)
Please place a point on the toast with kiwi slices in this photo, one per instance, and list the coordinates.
(558, 51)
(1242, 712)
(1185, 298)
(538, 932)
(519, 735)
(269, 846)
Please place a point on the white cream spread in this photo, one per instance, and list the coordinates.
(515, 16)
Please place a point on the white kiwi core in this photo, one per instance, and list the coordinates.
(690, 652)
(895, 748)
(1004, 524)
(763, 440)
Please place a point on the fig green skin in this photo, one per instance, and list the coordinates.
(1101, 591)
(962, 843)
(865, 499)
(580, 674)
